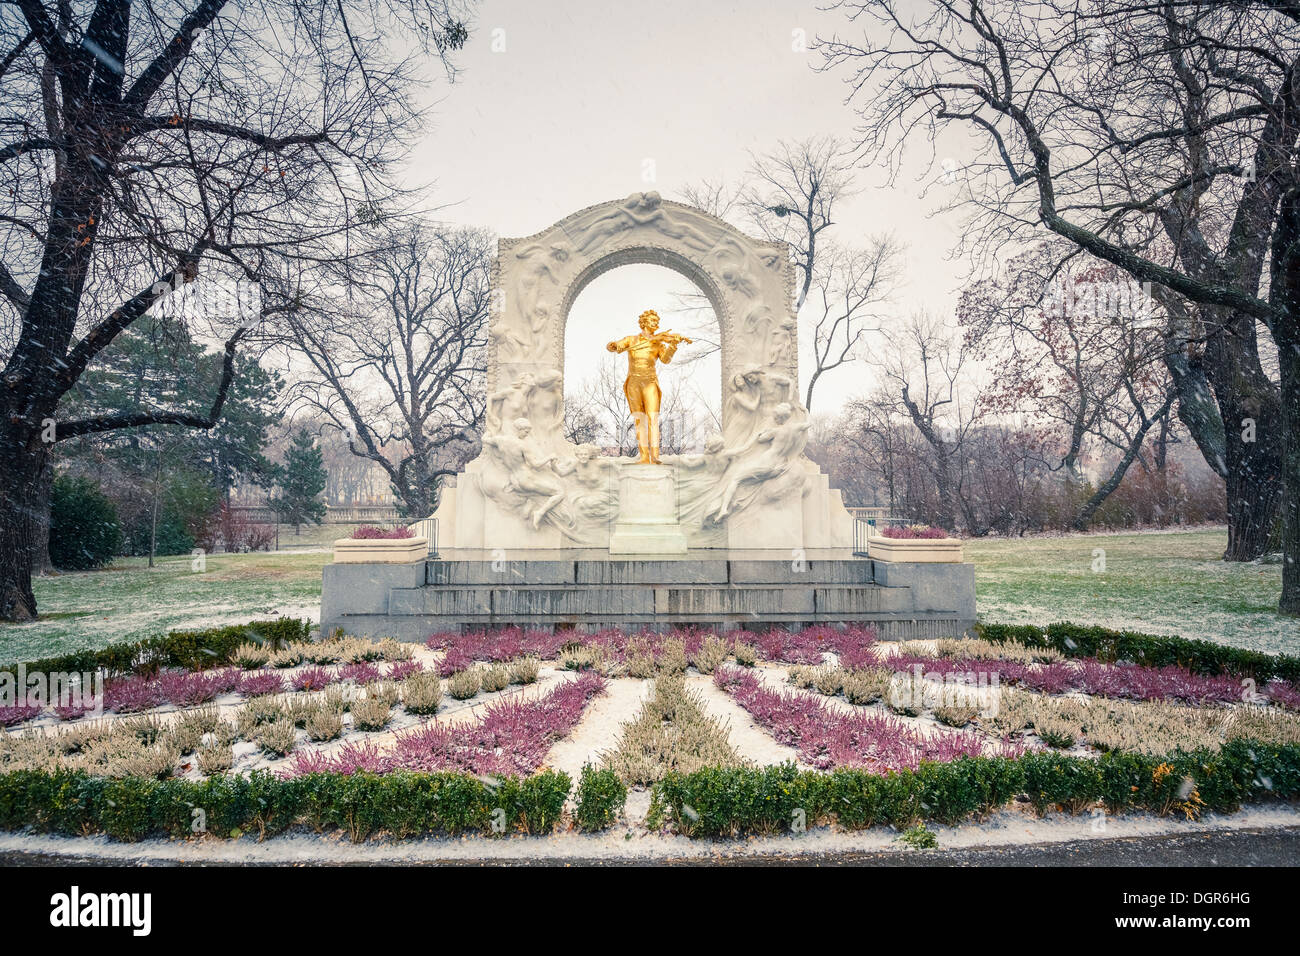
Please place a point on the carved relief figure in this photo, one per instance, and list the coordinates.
(772, 341)
(508, 403)
(530, 472)
(546, 405)
(642, 385)
(699, 477)
(527, 341)
(766, 457)
(593, 500)
(641, 209)
(729, 263)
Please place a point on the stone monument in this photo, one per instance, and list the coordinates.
(538, 531)
(756, 467)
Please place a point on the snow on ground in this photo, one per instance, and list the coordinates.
(600, 727)
(1015, 826)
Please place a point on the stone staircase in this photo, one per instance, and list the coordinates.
(592, 590)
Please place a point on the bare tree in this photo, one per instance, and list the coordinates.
(1085, 358)
(790, 195)
(1162, 138)
(400, 367)
(152, 146)
(925, 368)
(848, 286)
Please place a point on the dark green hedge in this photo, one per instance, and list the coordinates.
(200, 649)
(711, 802)
(732, 801)
(261, 803)
(1149, 650)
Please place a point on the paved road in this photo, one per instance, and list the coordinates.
(1249, 847)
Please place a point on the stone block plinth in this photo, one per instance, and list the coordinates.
(647, 520)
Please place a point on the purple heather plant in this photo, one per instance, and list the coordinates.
(513, 737)
(255, 683)
(313, 678)
(910, 533)
(360, 672)
(400, 670)
(370, 532)
(17, 713)
(1090, 676)
(827, 738)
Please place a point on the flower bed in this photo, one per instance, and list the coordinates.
(370, 532)
(1094, 677)
(1148, 650)
(828, 738)
(512, 738)
(913, 532)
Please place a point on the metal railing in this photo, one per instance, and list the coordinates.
(427, 528)
(862, 528)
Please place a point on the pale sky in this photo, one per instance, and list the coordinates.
(586, 92)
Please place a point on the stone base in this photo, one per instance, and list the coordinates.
(592, 589)
(647, 512)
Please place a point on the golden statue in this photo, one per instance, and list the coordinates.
(642, 385)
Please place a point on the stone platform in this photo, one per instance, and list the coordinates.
(591, 589)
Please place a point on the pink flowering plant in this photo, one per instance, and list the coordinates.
(370, 532)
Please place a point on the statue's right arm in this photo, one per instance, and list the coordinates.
(620, 345)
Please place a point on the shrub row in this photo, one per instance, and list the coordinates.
(712, 802)
(195, 650)
(400, 804)
(1149, 650)
(731, 801)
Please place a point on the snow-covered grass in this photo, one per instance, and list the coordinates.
(129, 600)
(1156, 582)
(1162, 582)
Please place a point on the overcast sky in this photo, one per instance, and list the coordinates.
(585, 92)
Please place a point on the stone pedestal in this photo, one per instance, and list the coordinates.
(647, 521)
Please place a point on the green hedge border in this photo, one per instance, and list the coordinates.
(1149, 650)
(195, 650)
(732, 802)
(714, 802)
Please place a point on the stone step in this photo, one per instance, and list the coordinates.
(695, 600)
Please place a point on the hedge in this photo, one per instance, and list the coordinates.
(400, 804)
(732, 801)
(193, 650)
(719, 801)
(1149, 650)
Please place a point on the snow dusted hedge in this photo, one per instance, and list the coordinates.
(1148, 650)
(193, 650)
(706, 803)
(261, 803)
(779, 799)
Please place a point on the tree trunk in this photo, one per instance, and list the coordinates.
(1253, 485)
(41, 563)
(1251, 411)
(1289, 362)
(24, 516)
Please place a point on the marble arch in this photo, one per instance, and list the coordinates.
(531, 488)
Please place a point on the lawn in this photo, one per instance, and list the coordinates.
(1163, 583)
(130, 600)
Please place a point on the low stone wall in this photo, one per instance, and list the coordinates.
(595, 590)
